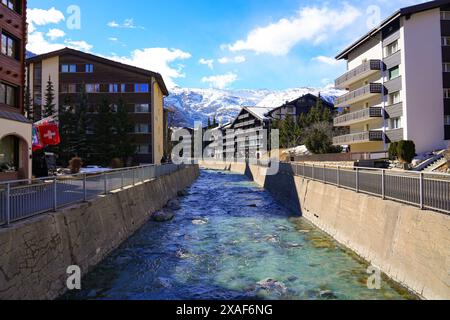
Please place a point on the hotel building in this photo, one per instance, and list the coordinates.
(142, 91)
(398, 82)
(15, 129)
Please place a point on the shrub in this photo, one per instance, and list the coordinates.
(75, 165)
(393, 154)
(406, 151)
(116, 163)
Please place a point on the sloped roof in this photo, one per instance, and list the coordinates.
(399, 13)
(112, 63)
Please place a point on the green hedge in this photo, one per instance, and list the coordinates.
(404, 150)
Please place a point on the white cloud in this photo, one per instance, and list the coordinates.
(39, 45)
(220, 81)
(54, 34)
(157, 60)
(237, 59)
(79, 45)
(310, 24)
(208, 62)
(41, 17)
(113, 39)
(328, 60)
(126, 24)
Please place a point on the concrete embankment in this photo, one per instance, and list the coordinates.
(35, 254)
(410, 245)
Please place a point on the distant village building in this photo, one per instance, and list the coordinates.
(295, 108)
(143, 92)
(15, 129)
(398, 82)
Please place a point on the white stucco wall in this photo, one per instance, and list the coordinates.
(424, 112)
(50, 67)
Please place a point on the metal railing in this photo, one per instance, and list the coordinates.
(23, 199)
(365, 136)
(360, 115)
(346, 99)
(424, 190)
(371, 65)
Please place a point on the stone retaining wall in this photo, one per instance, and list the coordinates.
(410, 245)
(35, 254)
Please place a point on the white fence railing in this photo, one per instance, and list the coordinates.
(424, 190)
(23, 199)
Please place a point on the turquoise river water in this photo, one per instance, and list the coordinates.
(231, 240)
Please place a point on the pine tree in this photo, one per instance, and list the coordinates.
(49, 107)
(68, 125)
(82, 141)
(103, 145)
(28, 105)
(123, 141)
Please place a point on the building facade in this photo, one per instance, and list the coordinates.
(142, 91)
(297, 107)
(399, 82)
(15, 129)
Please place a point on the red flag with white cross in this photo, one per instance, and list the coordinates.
(49, 133)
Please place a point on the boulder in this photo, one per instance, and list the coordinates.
(173, 205)
(182, 193)
(163, 216)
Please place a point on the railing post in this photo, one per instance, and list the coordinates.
(313, 173)
(357, 179)
(421, 185)
(85, 188)
(134, 176)
(55, 194)
(8, 204)
(122, 180)
(383, 184)
(105, 183)
(324, 181)
(339, 176)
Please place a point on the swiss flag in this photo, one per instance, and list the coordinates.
(49, 133)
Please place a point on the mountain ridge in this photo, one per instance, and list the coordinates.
(196, 104)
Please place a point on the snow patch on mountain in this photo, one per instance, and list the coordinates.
(190, 104)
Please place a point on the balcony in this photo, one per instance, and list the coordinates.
(360, 137)
(363, 93)
(358, 116)
(360, 72)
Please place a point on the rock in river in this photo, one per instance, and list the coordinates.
(163, 216)
(173, 205)
(272, 285)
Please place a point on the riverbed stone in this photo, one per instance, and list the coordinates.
(174, 205)
(163, 216)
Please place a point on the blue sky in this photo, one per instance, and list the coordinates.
(228, 44)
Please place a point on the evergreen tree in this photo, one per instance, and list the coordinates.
(82, 141)
(49, 107)
(123, 141)
(68, 126)
(28, 105)
(102, 144)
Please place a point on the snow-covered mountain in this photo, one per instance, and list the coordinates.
(200, 104)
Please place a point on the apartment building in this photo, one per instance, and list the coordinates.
(398, 82)
(142, 91)
(15, 129)
(295, 108)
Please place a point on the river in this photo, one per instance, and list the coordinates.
(231, 240)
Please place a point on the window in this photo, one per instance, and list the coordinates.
(10, 46)
(141, 108)
(445, 15)
(68, 88)
(394, 98)
(447, 120)
(446, 67)
(394, 73)
(445, 41)
(12, 4)
(446, 93)
(123, 88)
(395, 123)
(9, 154)
(68, 68)
(391, 49)
(113, 88)
(89, 68)
(8, 95)
(93, 88)
(143, 149)
(142, 128)
(141, 87)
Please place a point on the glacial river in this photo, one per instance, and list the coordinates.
(231, 240)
